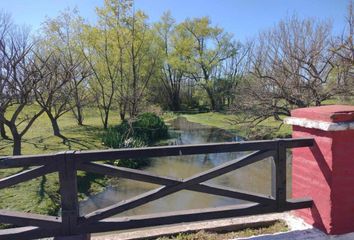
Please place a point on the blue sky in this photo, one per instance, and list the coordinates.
(243, 18)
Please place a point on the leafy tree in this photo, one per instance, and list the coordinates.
(208, 46)
(173, 65)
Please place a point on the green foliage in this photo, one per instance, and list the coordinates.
(146, 129)
(149, 128)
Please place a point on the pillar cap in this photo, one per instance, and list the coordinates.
(330, 113)
(326, 118)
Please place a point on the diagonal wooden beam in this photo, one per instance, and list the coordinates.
(167, 190)
(139, 175)
(27, 175)
(127, 173)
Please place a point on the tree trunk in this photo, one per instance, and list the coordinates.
(17, 145)
(2, 129)
(17, 139)
(80, 117)
(122, 116)
(175, 102)
(55, 126)
(122, 110)
(213, 103)
(3, 132)
(105, 122)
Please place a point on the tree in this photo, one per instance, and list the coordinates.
(142, 60)
(209, 46)
(343, 48)
(64, 70)
(53, 93)
(104, 49)
(21, 78)
(5, 25)
(123, 56)
(173, 65)
(291, 66)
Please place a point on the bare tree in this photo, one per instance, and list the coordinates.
(5, 25)
(343, 48)
(291, 66)
(53, 93)
(21, 79)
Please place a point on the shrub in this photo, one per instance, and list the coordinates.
(149, 128)
(146, 129)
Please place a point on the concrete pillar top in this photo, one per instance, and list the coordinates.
(326, 118)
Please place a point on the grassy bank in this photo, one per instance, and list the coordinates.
(278, 226)
(41, 195)
(267, 129)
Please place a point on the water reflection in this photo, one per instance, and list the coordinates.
(253, 178)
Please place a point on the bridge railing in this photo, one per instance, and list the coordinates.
(66, 164)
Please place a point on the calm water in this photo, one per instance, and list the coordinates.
(253, 178)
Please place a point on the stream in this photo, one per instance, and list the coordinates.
(253, 178)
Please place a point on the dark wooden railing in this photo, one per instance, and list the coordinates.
(30, 226)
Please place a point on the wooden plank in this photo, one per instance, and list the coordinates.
(231, 193)
(167, 190)
(140, 221)
(29, 219)
(68, 192)
(280, 169)
(298, 203)
(189, 149)
(27, 233)
(27, 175)
(167, 181)
(127, 173)
(39, 160)
(25, 161)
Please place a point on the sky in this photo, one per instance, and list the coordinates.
(243, 18)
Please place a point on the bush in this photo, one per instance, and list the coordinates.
(149, 128)
(145, 130)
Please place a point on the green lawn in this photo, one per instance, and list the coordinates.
(270, 228)
(39, 139)
(41, 195)
(269, 128)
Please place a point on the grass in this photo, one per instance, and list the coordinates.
(270, 128)
(278, 226)
(41, 195)
(39, 139)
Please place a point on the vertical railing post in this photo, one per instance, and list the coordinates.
(280, 175)
(68, 194)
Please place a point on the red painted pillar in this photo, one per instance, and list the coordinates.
(325, 172)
